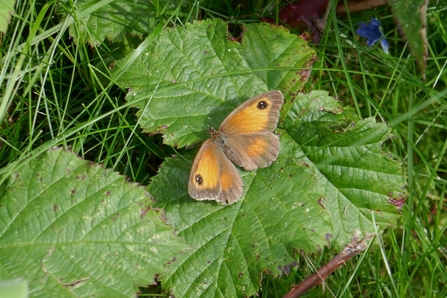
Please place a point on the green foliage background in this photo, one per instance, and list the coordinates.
(94, 84)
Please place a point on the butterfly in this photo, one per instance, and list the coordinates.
(244, 138)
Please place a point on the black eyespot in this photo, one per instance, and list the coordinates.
(199, 179)
(262, 105)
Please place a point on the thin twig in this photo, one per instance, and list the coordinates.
(356, 6)
(351, 250)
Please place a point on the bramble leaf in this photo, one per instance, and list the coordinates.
(330, 175)
(71, 228)
(192, 78)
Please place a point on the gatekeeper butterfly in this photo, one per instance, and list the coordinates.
(244, 138)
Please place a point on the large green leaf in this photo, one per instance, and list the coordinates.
(330, 175)
(72, 228)
(192, 77)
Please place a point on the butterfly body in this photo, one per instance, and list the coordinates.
(244, 138)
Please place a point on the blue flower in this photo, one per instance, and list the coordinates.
(373, 34)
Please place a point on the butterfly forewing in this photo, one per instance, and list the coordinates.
(204, 178)
(256, 115)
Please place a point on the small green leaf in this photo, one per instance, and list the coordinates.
(411, 17)
(14, 289)
(330, 175)
(113, 20)
(192, 78)
(6, 11)
(72, 228)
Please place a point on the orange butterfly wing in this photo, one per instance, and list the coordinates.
(213, 176)
(257, 115)
(249, 140)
